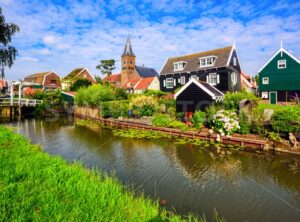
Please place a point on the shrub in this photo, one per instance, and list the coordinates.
(178, 125)
(211, 111)
(144, 105)
(80, 83)
(114, 109)
(155, 93)
(287, 121)
(198, 119)
(94, 95)
(225, 122)
(161, 120)
(244, 123)
(232, 99)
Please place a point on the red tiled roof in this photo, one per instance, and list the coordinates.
(246, 81)
(2, 83)
(130, 83)
(113, 78)
(144, 83)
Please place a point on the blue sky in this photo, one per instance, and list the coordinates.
(63, 35)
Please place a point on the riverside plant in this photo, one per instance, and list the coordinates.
(38, 187)
(225, 123)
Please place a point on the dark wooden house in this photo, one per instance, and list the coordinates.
(196, 95)
(279, 78)
(219, 67)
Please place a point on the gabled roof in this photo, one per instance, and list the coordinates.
(246, 81)
(77, 72)
(73, 73)
(130, 83)
(193, 63)
(113, 78)
(209, 89)
(281, 50)
(146, 72)
(144, 83)
(128, 50)
(37, 77)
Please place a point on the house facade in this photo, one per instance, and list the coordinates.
(279, 78)
(247, 83)
(76, 74)
(133, 78)
(219, 67)
(47, 80)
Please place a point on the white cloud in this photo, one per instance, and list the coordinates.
(50, 40)
(29, 59)
(82, 34)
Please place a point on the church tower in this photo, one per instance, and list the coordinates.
(128, 63)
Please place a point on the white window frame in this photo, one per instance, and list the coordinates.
(182, 80)
(265, 80)
(170, 83)
(179, 66)
(207, 61)
(212, 76)
(234, 78)
(281, 64)
(264, 95)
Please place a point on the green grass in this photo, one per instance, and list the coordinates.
(35, 186)
(277, 107)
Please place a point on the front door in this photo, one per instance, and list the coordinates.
(273, 97)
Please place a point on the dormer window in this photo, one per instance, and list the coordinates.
(207, 61)
(281, 64)
(179, 66)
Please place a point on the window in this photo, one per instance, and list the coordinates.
(182, 80)
(130, 62)
(234, 78)
(178, 66)
(265, 81)
(52, 82)
(169, 83)
(207, 61)
(213, 79)
(264, 95)
(281, 64)
(124, 62)
(234, 61)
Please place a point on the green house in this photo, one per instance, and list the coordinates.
(279, 78)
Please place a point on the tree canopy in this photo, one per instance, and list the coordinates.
(106, 66)
(80, 83)
(8, 53)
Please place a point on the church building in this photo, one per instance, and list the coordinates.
(133, 78)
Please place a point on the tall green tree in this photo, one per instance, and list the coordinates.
(106, 66)
(8, 53)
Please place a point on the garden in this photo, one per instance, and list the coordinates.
(225, 118)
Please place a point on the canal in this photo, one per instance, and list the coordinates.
(241, 186)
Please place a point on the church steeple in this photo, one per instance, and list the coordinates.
(128, 50)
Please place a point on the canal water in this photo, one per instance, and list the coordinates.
(241, 186)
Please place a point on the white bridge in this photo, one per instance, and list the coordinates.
(19, 102)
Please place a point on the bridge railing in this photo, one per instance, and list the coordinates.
(19, 102)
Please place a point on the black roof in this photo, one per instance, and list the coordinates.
(128, 50)
(211, 88)
(145, 72)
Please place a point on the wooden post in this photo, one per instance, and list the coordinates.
(11, 94)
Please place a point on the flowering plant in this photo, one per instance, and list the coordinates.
(225, 122)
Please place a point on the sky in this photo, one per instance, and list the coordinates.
(63, 35)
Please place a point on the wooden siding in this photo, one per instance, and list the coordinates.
(192, 98)
(52, 81)
(281, 79)
(224, 85)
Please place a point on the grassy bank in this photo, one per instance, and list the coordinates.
(35, 186)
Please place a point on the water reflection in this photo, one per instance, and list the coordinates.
(241, 186)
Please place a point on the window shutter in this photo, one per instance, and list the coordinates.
(207, 78)
(179, 80)
(218, 79)
(164, 83)
(174, 82)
